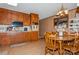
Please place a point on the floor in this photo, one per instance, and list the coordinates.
(28, 48)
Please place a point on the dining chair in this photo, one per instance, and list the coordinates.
(49, 43)
(69, 44)
(77, 44)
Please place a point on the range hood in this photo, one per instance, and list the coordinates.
(17, 24)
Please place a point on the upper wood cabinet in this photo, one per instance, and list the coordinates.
(20, 16)
(72, 13)
(3, 16)
(12, 16)
(34, 18)
(77, 10)
(26, 19)
(8, 16)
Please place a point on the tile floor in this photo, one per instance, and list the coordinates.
(28, 48)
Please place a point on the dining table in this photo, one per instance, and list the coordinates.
(60, 39)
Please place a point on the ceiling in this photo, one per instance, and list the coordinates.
(43, 9)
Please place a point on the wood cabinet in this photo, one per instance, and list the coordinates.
(12, 16)
(34, 18)
(72, 13)
(77, 10)
(34, 21)
(3, 16)
(14, 38)
(60, 20)
(34, 35)
(17, 38)
(8, 16)
(20, 16)
(26, 19)
(27, 36)
(4, 39)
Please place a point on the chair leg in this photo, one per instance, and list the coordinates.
(76, 53)
(69, 51)
(45, 50)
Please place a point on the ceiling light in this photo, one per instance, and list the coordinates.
(13, 4)
(62, 11)
(77, 4)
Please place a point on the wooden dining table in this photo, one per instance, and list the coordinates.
(60, 39)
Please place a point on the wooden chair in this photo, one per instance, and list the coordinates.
(69, 45)
(50, 47)
(77, 45)
(65, 33)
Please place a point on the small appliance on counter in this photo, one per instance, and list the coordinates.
(27, 28)
(3, 28)
(9, 28)
(35, 27)
(18, 29)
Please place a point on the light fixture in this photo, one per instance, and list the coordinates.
(77, 4)
(13, 4)
(62, 11)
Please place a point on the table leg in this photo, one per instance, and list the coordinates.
(60, 42)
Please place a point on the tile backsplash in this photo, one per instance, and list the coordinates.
(3, 28)
(7, 28)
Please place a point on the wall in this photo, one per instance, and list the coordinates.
(46, 25)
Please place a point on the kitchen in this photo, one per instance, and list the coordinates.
(17, 27)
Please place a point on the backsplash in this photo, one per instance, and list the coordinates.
(3, 28)
(7, 28)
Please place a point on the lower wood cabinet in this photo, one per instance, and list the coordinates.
(17, 37)
(4, 39)
(27, 36)
(34, 35)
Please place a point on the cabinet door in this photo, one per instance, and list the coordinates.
(0, 39)
(17, 38)
(77, 10)
(12, 16)
(27, 36)
(26, 19)
(34, 35)
(72, 13)
(20, 16)
(34, 18)
(5, 41)
(3, 16)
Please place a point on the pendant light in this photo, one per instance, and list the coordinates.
(62, 11)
